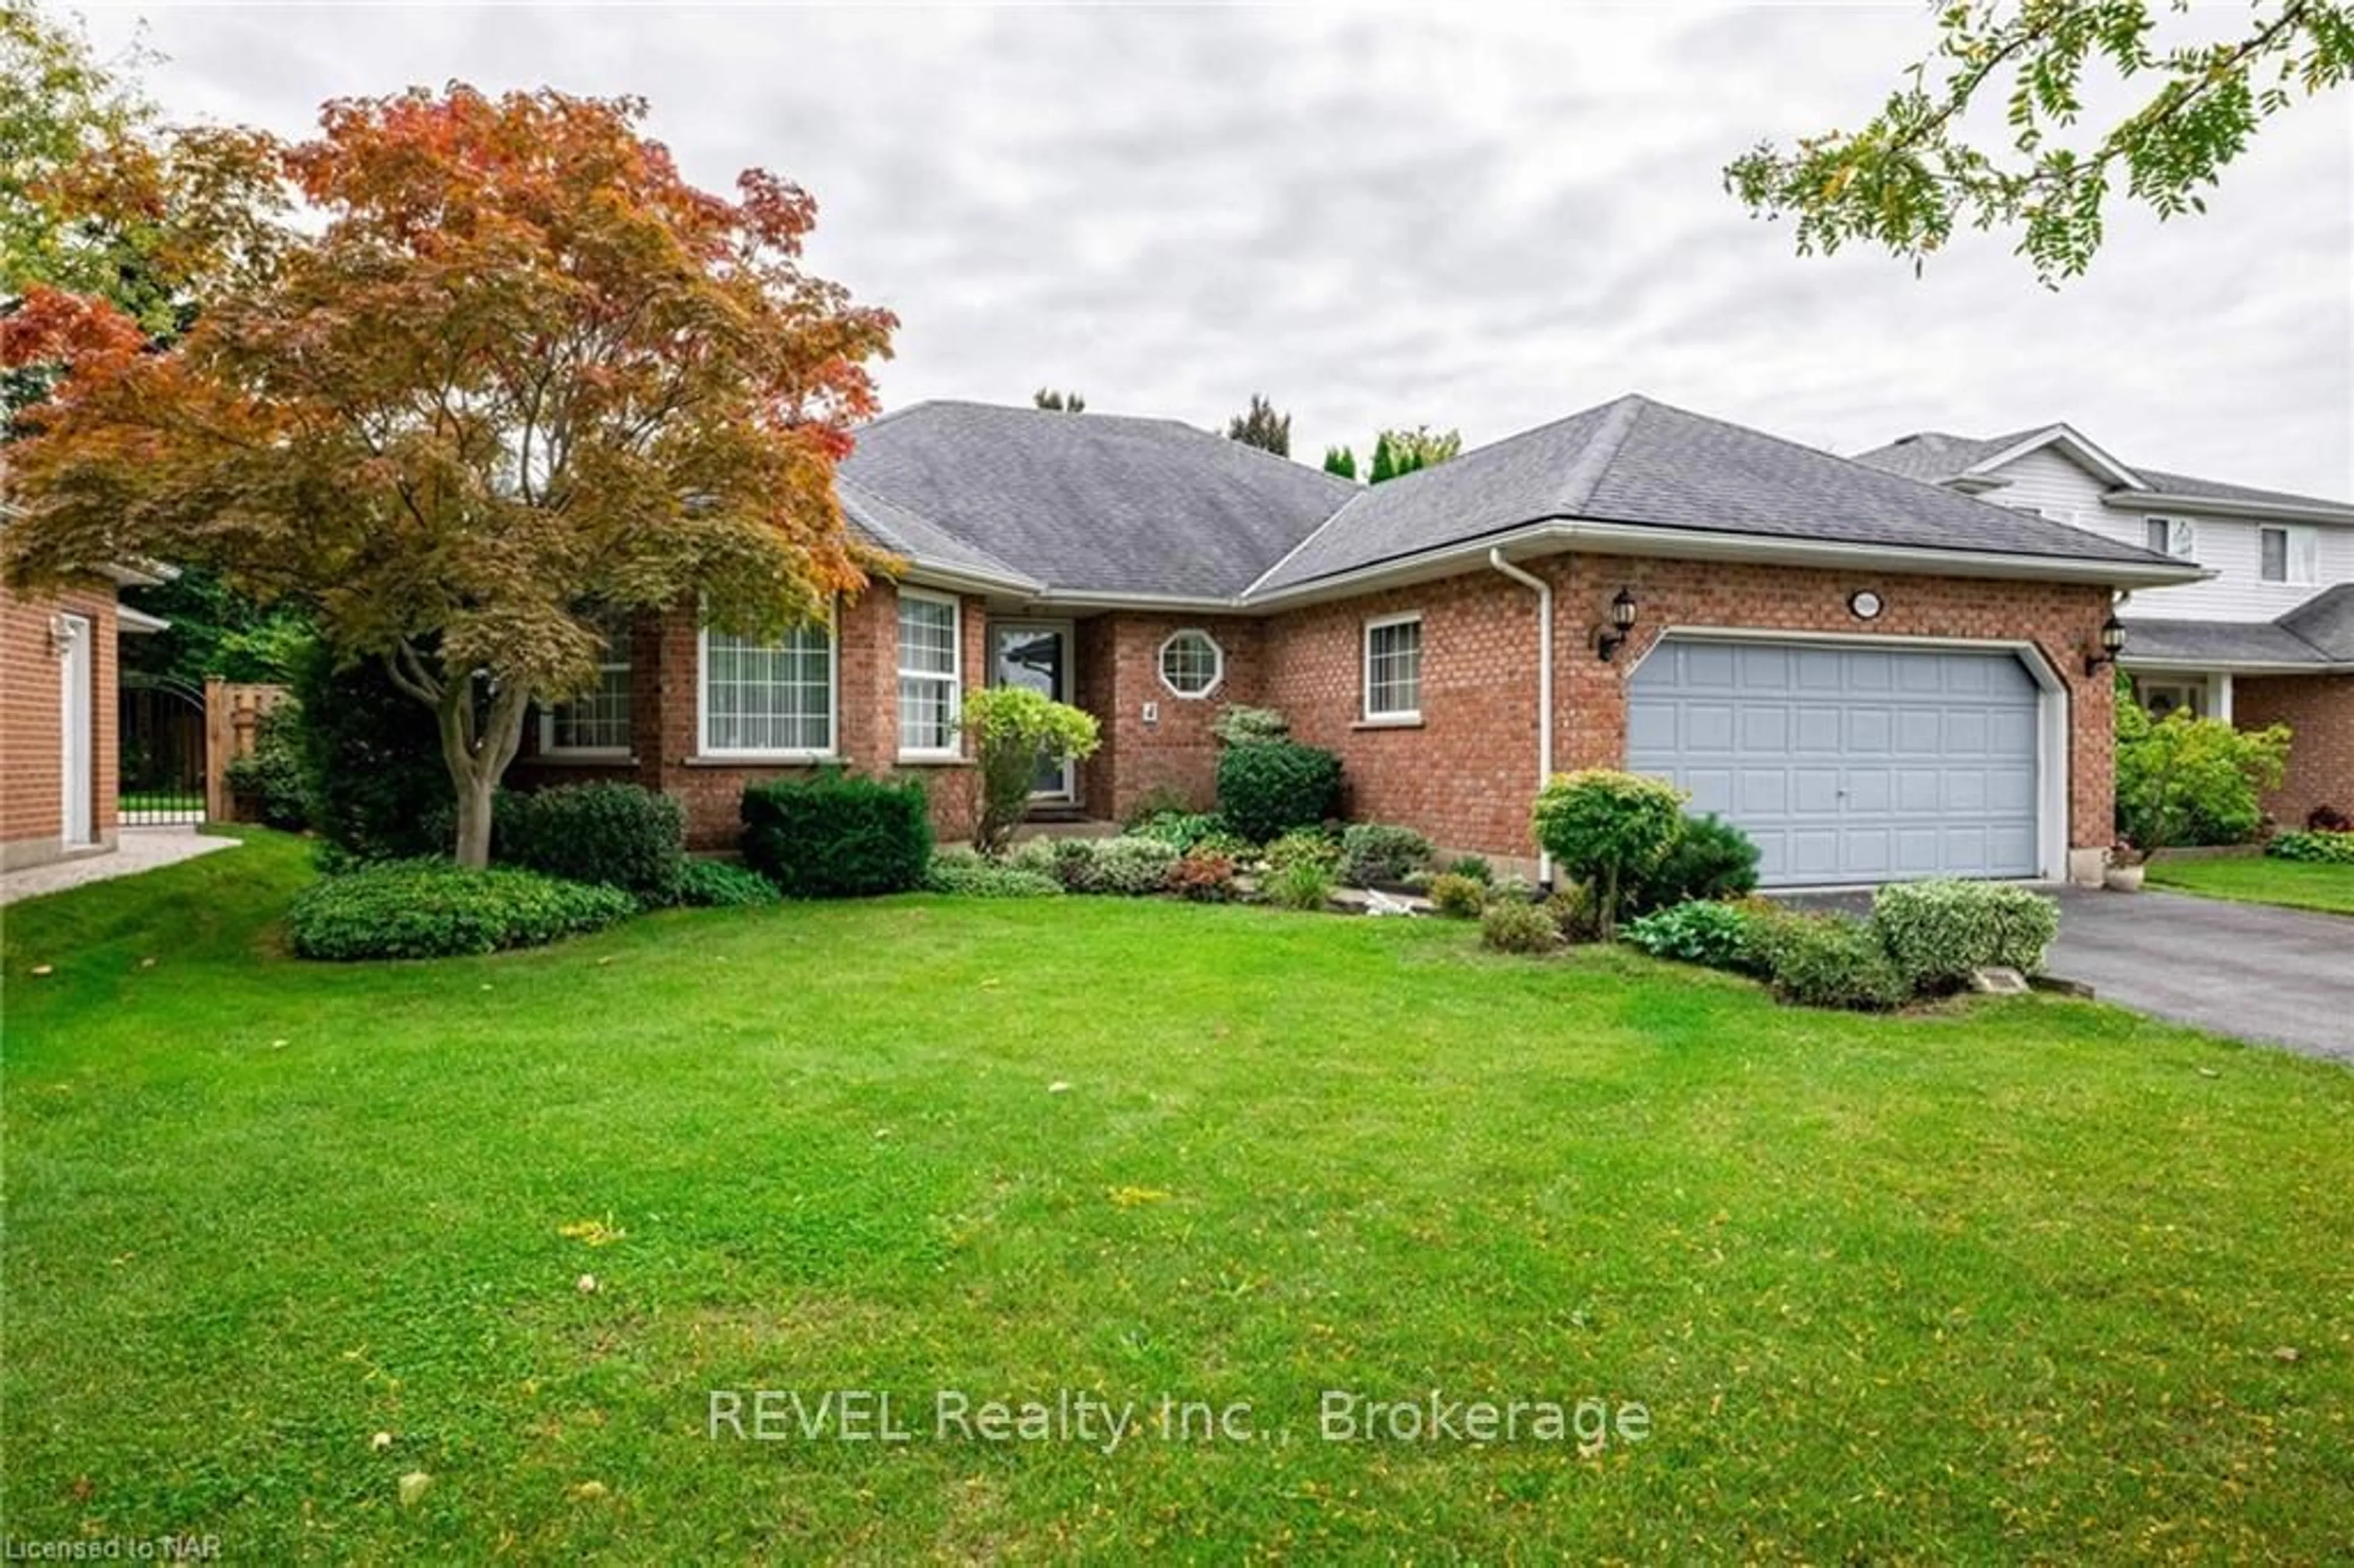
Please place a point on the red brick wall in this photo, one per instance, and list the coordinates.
(1118, 672)
(664, 719)
(2320, 710)
(1467, 773)
(32, 724)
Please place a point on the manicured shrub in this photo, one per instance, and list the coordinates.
(720, 885)
(1267, 787)
(1305, 846)
(2325, 848)
(1128, 866)
(1013, 729)
(1238, 725)
(617, 835)
(1609, 830)
(2182, 780)
(1574, 913)
(1715, 935)
(434, 909)
(1206, 876)
(966, 874)
(1299, 884)
(1936, 932)
(1711, 859)
(1458, 898)
(838, 835)
(1828, 960)
(271, 781)
(1515, 926)
(371, 758)
(1474, 866)
(1372, 853)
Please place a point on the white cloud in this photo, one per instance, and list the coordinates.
(1486, 220)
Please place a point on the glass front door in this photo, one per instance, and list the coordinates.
(1037, 655)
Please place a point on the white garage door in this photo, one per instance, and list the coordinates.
(1848, 764)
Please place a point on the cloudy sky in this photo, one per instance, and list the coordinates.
(1483, 220)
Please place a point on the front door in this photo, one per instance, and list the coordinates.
(1037, 654)
(74, 710)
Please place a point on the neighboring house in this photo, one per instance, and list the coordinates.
(57, 708)
(2266, 637)
(1877, 678)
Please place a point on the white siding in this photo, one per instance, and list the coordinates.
(2066, 493)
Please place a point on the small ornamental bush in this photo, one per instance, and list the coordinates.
(1128, 866)
(1714, 934)
(435, 909)
(966, 874)
(1308, 846)
(1609, 830)
(1936, 932)
(1237, 725)
(2185, 781)
(1474, 866)
(617, 835)
(1298, 884)
(1512, 926)
(838, 835)
(1267, 787)
(1828, 960)
(1575, 914)
(1710, 860)
(1206, 876)
(1012, 728)
(2326, 848)
(1374, 855)
(717, 885)
(1458, 898)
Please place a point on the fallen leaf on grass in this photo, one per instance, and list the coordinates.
(586, 1285)
(1129, 1197)
(45, 969)
(412, 1487)
(380, 1442)
(587, 1491)
(2287, 1353)
(595, 1233)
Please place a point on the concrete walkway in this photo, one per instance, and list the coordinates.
(137, 850)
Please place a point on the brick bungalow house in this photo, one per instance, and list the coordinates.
(58, 712)
(1877, 677)
(2266, 637)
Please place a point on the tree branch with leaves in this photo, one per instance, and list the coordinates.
(1912, 175)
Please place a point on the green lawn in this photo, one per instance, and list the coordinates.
(2258, 879)
(2031, 1279)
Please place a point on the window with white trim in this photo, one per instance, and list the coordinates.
(1394, 667)
(2287, 554)
(773, 699)
(2170, 536)
(596, 723)
(1192, 663)
(930, 661)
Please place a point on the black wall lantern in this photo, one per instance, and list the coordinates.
(2113, 643)
(1622, 621)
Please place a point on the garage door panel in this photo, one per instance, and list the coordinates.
(1850, 764)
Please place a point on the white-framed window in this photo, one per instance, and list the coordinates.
(2170, 536)
(1192, 663)
(596, 723)
(931, 668)
(772, 701)
(1394, 667)
(2285, 555)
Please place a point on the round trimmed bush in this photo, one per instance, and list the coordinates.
(1266, 788)
(1374, 855)
(1936, 932)
(614, 835)
(436, 910)
(1457, 896)
(1515, 926)
(1609, 830)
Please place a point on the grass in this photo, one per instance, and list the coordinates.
(2025, 1280)
(2259, 879)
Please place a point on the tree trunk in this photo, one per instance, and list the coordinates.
(477, 756)
(475, 794)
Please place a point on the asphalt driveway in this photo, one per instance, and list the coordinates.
(2278, 977)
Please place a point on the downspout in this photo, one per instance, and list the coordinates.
(1544, 681)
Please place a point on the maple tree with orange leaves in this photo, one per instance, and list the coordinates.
(464, 372)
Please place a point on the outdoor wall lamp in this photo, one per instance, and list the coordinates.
(2113, 643)
(1622, 621)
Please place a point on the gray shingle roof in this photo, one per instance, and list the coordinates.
(1637, 462)
(1095, 502)
(1935, 457)
(901, 532)
(2326, 620)
(2217, 642)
